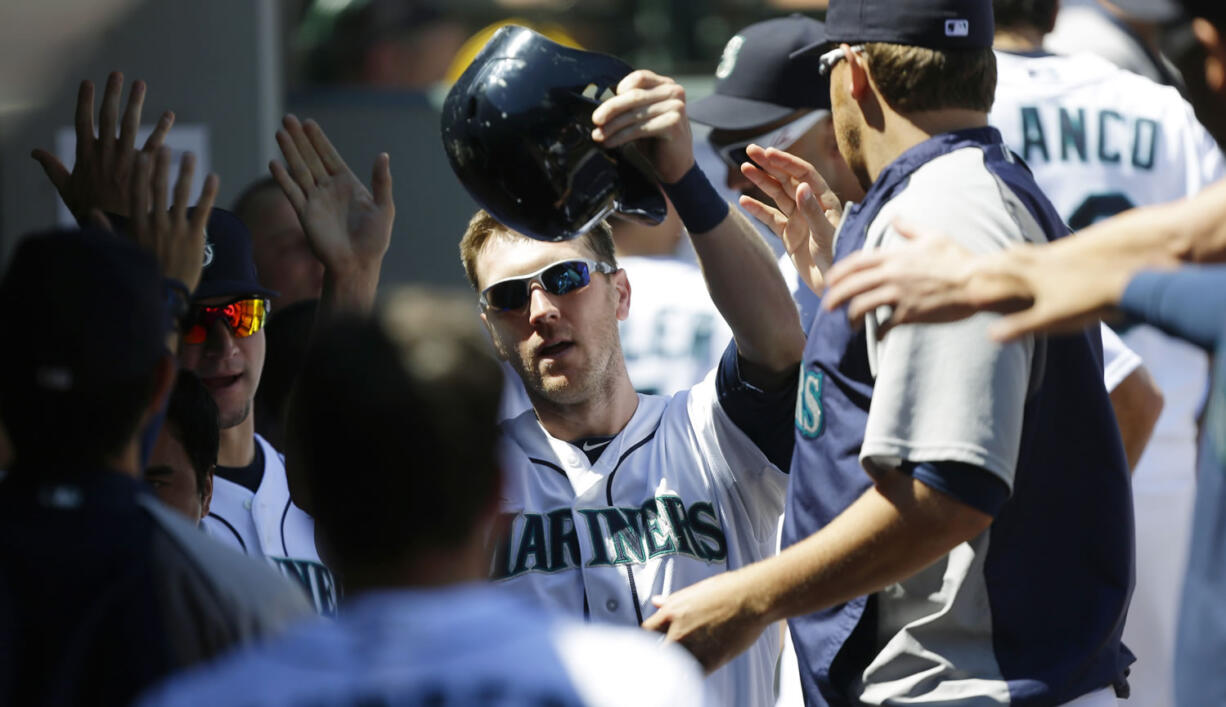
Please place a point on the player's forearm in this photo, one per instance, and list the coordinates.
(1165, 235)
(1137, 402)
(745, 284)
(349, 292)
(894, 530)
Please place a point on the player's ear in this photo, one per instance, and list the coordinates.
(621, 285)
(857, 72)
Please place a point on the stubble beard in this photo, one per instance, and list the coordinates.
(848, 138)
(225, 422)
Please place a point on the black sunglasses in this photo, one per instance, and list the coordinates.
(557, 279)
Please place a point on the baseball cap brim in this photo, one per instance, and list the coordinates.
(734, 113)
(222, 288)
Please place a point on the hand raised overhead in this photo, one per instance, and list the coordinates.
(101, 177)
(649, 110)
(348, 227)
(175, 237)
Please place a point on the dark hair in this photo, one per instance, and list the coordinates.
(392, 429)
(193, 419)
(286, 338)
(91, 312)
(1015, 14)
(77, 427)
(915, 79)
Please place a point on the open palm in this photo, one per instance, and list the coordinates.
(348, 227)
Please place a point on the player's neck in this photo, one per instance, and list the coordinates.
(605, 413)
(1019, 39)
(902, 132)
(237, 444)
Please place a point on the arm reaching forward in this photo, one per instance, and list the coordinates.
(740, 270)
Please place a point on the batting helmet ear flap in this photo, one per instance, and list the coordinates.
(517, 129)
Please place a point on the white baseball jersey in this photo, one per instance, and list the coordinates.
(679, 495)
(674, 335)
(1085, 26)
(268, 524)
(460, 645)
(1101, 140)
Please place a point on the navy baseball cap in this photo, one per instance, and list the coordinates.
(934, 24)
(82, 308)
(759, 80)
(229, 267)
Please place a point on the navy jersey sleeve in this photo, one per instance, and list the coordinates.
(1189, 303)
(764, 415)
(963, 482)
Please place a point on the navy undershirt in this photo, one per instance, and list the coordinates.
(247, 476)
(593, 446)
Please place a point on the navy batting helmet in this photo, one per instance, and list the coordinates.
(517, 127)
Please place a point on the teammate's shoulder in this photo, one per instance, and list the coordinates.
(220, 577)
(598, 657)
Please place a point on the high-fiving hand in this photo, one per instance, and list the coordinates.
(806, 212)
(175, 237)
(101, 177)
(348, 228)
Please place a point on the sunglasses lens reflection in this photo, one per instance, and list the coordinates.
(244, 317)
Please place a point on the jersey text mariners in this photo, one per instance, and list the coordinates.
(681, 494)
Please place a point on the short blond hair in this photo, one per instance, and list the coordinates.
(916, 79)
(482, 228)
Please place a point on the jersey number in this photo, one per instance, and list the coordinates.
(1097, 207)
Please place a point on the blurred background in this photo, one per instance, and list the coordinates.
(372, 72)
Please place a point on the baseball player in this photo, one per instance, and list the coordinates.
(768, 95)
(1100, 140)
(181, 464)
(223, 344)
(419, 626)
(995, 511)
(612, 497)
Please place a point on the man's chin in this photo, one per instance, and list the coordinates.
(233, 417)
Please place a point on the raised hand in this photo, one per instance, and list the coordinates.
(348, 228)
(806, 213)
(650, 109)
(172, 235)
(101, 177)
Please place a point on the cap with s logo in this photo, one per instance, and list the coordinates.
(758, 81)
(229, 267)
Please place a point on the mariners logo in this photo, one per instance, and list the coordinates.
(208, 251)
(664, 525)
(728, 61)
(809, 417)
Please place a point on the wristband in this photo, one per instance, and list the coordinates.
(700, 207)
